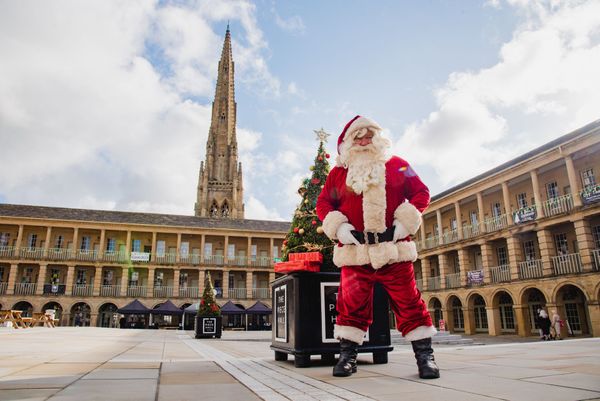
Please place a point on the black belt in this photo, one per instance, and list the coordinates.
(374, 238)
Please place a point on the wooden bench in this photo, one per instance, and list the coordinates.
(43, 318)
(13, 316)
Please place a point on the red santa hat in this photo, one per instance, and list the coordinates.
(356, 124)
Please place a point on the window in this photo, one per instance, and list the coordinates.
(507, 318)
(85, 243)
(561, 243)
(208, 249)
(159, 278)
(496, 209)
(32, 240)
(458, 318)
(529, 250)
(111, 245)
(231, 280)
(502, 256)
(2, 274)
(81, 277)
(136, 245)
(54, 276)
(275, 251)
(435, 230)
(4, 239)
(253, 250)
(522, 200)
(184, 249)
(587, 178)
(183, 279)
(453, 225)
(230, 251)
(60, 240)
(107, 277)
(473, 215)
(596, 234)
(160, 248)
(552, 190)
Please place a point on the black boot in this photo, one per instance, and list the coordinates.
(425, 360)
(346, 365)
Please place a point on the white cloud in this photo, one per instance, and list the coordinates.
(543, 86)
(293, 24)
(255, 209)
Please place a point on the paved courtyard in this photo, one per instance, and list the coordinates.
(70, 363)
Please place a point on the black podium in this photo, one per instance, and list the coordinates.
(304, 315)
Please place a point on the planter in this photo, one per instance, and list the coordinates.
(304, 315)
(208, 326)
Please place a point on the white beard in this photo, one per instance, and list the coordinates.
(366, 168)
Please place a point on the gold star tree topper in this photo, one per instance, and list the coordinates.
(321, 135)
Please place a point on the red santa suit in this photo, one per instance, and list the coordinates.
(400, 197)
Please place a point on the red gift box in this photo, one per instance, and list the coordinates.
(297, 266)
(306, 256)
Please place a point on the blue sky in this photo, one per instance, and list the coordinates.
(107, 104)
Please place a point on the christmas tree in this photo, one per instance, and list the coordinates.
(306, 233)
(208, 305)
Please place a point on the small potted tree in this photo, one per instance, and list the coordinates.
(208, 319)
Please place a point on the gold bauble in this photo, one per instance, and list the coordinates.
(320, 230)
(301, 231)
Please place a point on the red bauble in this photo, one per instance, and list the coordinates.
(284, 242)
(296, 229)
(314, 222)
(315, 181)
(320, 159)
(327, 155)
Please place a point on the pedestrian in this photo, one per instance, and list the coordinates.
(556, 324)
(370, 205)
(537, 323)
(545, 324)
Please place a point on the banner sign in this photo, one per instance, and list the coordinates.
(280, 310)
(590, 195)
(525, 215)
(209, 325)
(475, 277)
(140, 257)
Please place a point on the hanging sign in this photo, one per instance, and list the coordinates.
(590, 195)
(525, 215)
(140, 256)
(280, 310)
(475, 277)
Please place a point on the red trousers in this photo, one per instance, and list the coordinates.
(355, 296)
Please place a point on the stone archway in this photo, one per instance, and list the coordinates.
(456, 319)
(572, 307)
(24, 307)
(56, 307)
(435, 306)
(106, 315)
(81, 314)
(480, 321)
(504, 321)
(532, 300)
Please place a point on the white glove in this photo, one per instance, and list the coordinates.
(344, 235)
(399, 231)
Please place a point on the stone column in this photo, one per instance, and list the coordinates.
(249, 251)
(480, 212)
(547, 251)
(493, 317)
(19, 240)
(69, 283)
(150, 283)
(520, 319)
(47, 241)
(75, 240)
(39, 289)
(515, 255)
(271, 246)
(573, 181)
(585, 243)
(128, 243)
(249, 285)
(536, 194)
(153, 254)
(202, 242)
(226, 250)
(124, 280)
(93, 319)
(468, 317)
(440, 233)
(102, 246)
(176, 275)
(465, 265)
(487, 259)
(443, 264)
(178, 250)
(12, 279)
(506, 200)
(459, 230)
(594, 313)
(225, 283)
(425, 272)
(271, 277)
(201, 278)
(97, 281)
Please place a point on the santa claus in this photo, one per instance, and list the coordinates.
(370, 206)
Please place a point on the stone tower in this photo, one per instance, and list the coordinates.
(220, 189)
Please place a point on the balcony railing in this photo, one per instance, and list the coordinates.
(496, 223)
(237, 293)
(596, 257)
(470, 231)
(190, 259)
(214, 259)
(114, 256)
(54, 289)
(531, 269)
(567, 264)
(3, 288)
(83, 290)
(189, 292)
(261, 261)
(59, 254)
(558, 205)
(450, 236)
(434, 283)
(25, 288)
(261, 293)
(453, 280)
(166, 258)
(432, 242)
(500, 274)
(31, 253)
(419, 282)
(236, 260)
(110, 290)
(7, 251)
(86, 254)
(163, 292)
(136, 291)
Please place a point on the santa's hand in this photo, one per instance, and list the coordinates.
(399, 231)
(344, 234)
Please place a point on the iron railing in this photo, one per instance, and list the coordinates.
(499, 274)
(596, 257)
(25, 288)
(3, 287)
(136, 291)
(531, 269)
(7, 251)
(419, 282)
(163, 292)
(83, 290)
(453, 280)
(434, 283)
(261, 293)
(496, 223)
(567, 264)
(166, 258)
(558, 205)
(59, 254)
(110, 290)
(31, 253)
(189, 292)
(115, 256)
(470, 231)
(237, 293)
(450, 236)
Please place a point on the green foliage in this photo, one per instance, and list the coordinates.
(306, 238)
(208, 305)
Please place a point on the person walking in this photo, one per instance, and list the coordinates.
(556, 325)
(545, 324)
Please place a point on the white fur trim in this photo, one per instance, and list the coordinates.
(374, 206)
(409, 216)
(332, 222)
(378, 255)
(349, 333)
(359, 123)
(420, 333)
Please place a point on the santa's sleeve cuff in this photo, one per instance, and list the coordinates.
(332, 222)
(409, 216)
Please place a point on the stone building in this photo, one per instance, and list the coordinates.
(522, 236)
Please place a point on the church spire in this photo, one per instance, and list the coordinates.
(220, 192)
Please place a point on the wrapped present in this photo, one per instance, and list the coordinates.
(306, 256)
(297, 266)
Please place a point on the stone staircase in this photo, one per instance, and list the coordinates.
(442, 337)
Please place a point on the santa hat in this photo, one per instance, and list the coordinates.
(355, 124)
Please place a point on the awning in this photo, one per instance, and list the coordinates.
(231, 309)
(134, 307)
(259, 309)
(167, 308)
